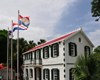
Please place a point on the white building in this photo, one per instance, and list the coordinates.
(54, 60)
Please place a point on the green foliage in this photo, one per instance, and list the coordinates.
(3, 45)
(97, 49)
(87, 67)
(95, 9)
(41, 41)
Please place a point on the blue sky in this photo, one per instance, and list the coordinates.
(51, 18)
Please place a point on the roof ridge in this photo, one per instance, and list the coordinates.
(53, 41)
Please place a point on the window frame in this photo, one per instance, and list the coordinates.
(55, 48)
(74, 48)
(31, 73)
(71, 75)
(87, 50)
(46, 52)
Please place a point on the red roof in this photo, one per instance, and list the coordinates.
(50, 42)
(2, 67)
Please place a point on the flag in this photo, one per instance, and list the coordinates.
(10, 32)
(24, 21)
(15, 27)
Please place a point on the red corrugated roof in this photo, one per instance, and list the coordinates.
(50, 42)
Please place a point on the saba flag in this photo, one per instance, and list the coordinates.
(24, 21)
(15, 27)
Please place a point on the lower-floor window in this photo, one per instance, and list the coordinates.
(55, 74)
(31, 73)
(46, 74)
(26, 72)
(71, 74)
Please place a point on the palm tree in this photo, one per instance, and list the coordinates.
(87, 67)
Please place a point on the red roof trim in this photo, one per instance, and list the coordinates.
(55, 40)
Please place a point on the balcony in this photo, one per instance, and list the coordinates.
(32, 62)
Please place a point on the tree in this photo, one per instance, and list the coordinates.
(95, 9)
(87, 67)
(41, 41)
(3, 45)
(97, 49)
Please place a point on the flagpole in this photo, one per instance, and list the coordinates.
(18, 48)
(12, 51)
(7, 51)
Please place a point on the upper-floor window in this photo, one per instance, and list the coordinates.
(55, 74)
(71, 74)
(46, 52)
(55, 50)
(37, 54)
(87, 50)
(46, 74)
(72, 49)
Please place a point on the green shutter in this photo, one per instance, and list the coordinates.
(48, 75)
(48, 51)
(70, 48)
(51, 50)
(52, 74)
(89, 51)
(70, 74)
(39, 53)
(43, 73)
(34, 54)
(57, 49)
(85, 49)
(43, 53)
(75, 49)
(58, 76)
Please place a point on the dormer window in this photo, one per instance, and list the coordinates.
(46, 52)
(72, 49)
(55, 50)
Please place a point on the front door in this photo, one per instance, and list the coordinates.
(37, 73)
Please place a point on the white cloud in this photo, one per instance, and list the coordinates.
(44, 14)
(95, 37)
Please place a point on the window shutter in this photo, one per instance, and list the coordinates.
(58, 76)
(75, 49)
(34, 54)
(43, 73)
(70, 48)
(51, 50)
(40, 73)
(39, 53)
(52, 74)
(57, 49)
(70, 74)
(31, 56)
(48, 75)
(43, 53)
(48, 51)
(89, 51)
(85, 49)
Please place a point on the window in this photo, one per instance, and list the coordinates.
(55, 50)
(87, 50)
(72, 49)
(31, 73)
(37, 54)
(26, 72)
(46, 74)
(46, 52)
(71, 74)
(80, 40)
(55, 74)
